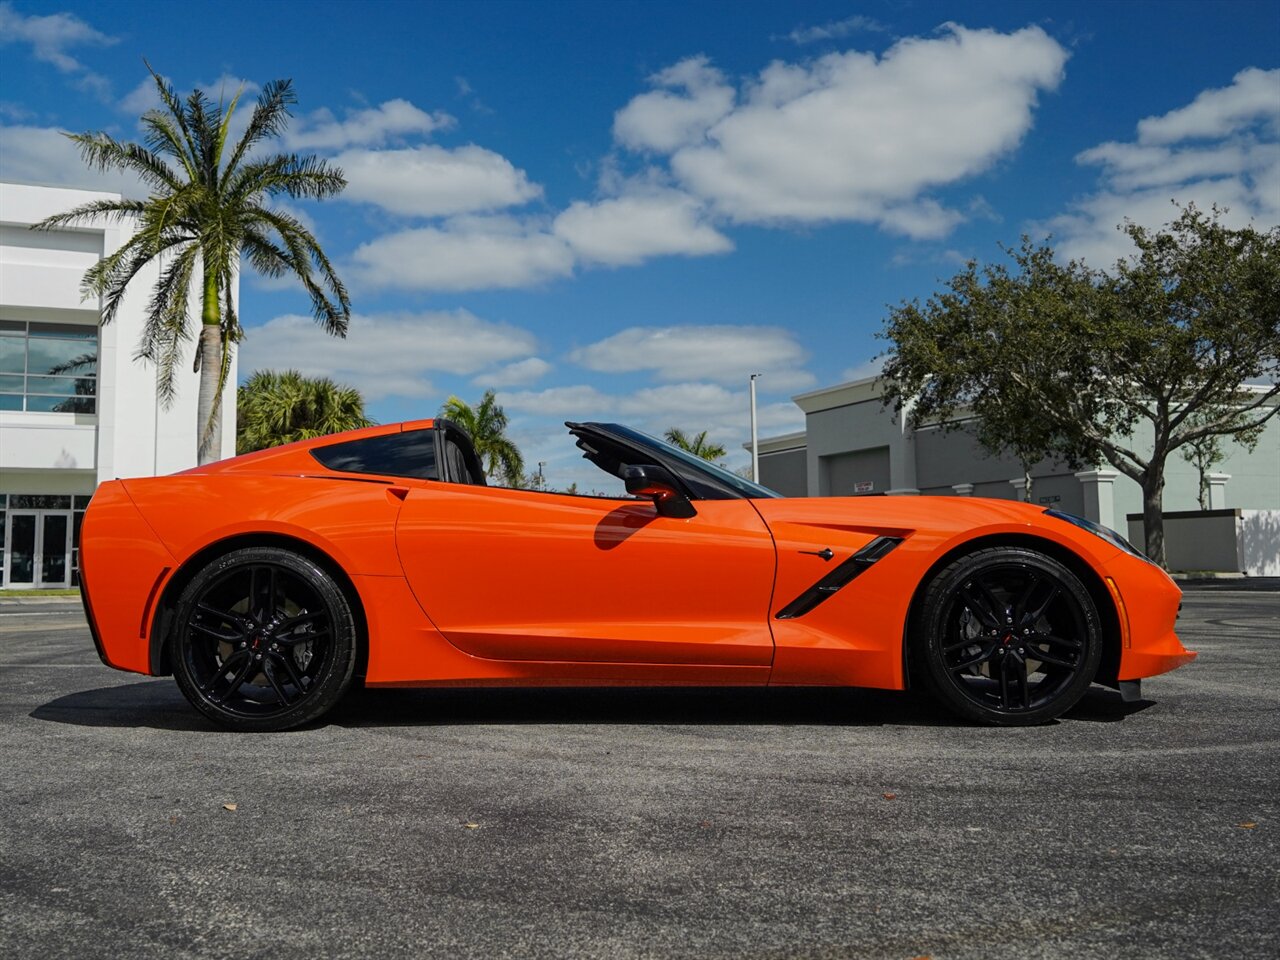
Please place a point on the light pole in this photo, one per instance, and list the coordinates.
(755, 440)
(541, 479)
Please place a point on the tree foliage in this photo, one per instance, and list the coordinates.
(280, 407)
(697, 444)
(1051, 359)
(486, 423)
(206, 211)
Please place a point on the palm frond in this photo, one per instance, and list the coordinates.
(109, 210)
(303, 178)
(269, 119)
(332, 308)
(161, 137)
(169, 97)
(102, 152)
(165, 329)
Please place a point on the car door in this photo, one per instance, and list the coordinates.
(524, 575)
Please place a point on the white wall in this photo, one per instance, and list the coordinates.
(132, 435)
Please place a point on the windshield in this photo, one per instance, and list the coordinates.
(743, 486)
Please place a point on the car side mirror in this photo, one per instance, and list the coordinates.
(657, 483)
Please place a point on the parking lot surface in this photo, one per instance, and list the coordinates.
(642, 823)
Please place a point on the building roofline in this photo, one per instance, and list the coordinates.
(840, 395)
(781, 443)
(43, 185)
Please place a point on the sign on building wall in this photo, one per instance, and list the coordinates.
(864, 486)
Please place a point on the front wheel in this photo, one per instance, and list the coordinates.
(1007, 636)
(264, 639)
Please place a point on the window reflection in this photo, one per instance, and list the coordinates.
(48, 367)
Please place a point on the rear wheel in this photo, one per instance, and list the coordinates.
(264, 640)
(1008, 636)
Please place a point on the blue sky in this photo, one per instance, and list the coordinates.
(619, 210)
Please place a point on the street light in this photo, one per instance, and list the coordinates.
(755, 441)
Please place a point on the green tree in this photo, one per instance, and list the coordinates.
(698, 444)
(1060, 360)
(207, 209)
(486, 422)
(280, 407)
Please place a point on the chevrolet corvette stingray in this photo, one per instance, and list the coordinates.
(269, 583)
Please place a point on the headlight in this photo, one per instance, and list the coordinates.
(1098, 530)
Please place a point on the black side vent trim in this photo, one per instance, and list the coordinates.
(839, 578)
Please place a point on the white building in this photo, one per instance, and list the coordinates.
(76, 408)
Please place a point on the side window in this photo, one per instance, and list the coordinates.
(411, 454)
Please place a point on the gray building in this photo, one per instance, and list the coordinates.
(853, 446)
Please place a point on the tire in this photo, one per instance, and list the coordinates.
(263, 640)
(1007, 636)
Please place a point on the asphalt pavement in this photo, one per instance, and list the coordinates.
(642, 823)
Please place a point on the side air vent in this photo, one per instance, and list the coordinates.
(839, 578)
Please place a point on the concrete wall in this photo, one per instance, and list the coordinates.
(1195, 540)
(1260, 542)
(840, 474)
(1220, 541)
(849, 418)
(784, 472)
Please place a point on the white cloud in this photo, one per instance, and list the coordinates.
(580, 400)
(390, 354)
(860, 371)
(836, 29)
(50, 37)
(630, 229)
(1253, 95)
(850, 136)
(369, 127)
(514, 374)
(721, 354)
(468, 253)
(692, 95)
(431, 181)
(1223, 148)
(723, 413)
(44, 155)
(141, 98)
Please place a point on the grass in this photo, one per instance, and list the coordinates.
(7, 594)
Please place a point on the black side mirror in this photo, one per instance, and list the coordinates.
(657, 483)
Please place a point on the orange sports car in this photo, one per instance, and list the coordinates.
(269, 583)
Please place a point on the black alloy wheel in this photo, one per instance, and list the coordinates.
(1008, 636)
(264, 640)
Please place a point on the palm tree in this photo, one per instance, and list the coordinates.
(487, 424)
(206, 210)
(274, 408)
(699, 446)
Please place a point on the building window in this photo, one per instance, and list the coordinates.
(48, 367)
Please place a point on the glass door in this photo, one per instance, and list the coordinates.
(55, 549)
(21, 538)
(39, 548)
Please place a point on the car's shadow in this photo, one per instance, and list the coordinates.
(158, 704)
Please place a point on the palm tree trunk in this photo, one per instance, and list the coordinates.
(208, 429)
